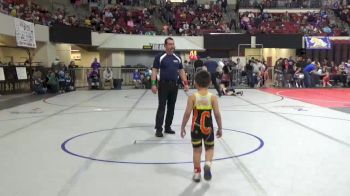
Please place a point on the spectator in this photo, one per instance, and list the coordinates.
(147, 78)
(55, 66)
(69, 83)
(95, 65)
(62, 81)
(240, 69)
(52, 83)
(94, 78)
(136, 78)
(38, 86)
(342, 75)
(107, 77)
(249, 71)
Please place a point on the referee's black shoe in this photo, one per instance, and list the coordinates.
(169, 131)
(159, 133)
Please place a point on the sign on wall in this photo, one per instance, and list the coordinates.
(75, 56)
(158, 47)
(21, 73)
(318, 42)
(25, 34)
(2, 75)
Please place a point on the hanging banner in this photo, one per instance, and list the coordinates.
(318, 43)
(25, 34)
(2, 74)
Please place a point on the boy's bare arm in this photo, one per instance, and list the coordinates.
(187, 114)
(217, 115)
(188, 111)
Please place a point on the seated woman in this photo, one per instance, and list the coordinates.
(94, 79)
(52, 83)
(147, 78)
(38, 84)
(69, 83)
(107, 77)
(137, 79)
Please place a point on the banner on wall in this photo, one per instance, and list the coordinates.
(318, 43)
(21, 73)
(2, 75)
(25, 33)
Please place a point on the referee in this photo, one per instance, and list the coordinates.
(170, 67)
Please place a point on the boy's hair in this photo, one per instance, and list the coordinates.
(203, 79)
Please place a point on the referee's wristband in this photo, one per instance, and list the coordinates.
(154, 82)
(186, 83)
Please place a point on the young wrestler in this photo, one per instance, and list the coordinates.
(202, 103)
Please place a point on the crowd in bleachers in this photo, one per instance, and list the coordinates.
(343, 12)
(187, 18)
(262, 4)
(193, 19)
(310, 23)
(180, 19)
(109, 18)
(118, 19)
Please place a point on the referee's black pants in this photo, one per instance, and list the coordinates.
(215, 83)
(167, 94)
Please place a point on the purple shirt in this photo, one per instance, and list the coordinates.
(95, 65)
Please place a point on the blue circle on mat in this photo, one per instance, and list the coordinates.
(64, 148)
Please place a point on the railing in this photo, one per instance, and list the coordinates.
(240, 79)
(125, 74)
(12, 84)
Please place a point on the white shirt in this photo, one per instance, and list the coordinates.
(186, 26)
(239, 66)
(220, 66)
(106, 75)
(255, 68)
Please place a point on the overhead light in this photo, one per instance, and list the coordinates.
(74, 50)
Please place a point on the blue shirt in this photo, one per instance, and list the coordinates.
(169, 65)
(136, 76)
(211, 66)
(310, 68)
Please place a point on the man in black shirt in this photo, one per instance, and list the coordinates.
(249, 70)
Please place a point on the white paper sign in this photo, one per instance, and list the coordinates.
(2, 74)
(21, 73)
(25, 34)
